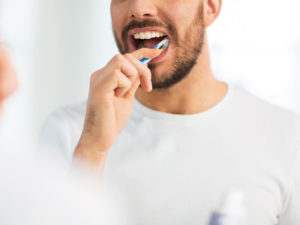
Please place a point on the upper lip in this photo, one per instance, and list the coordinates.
(145, 29)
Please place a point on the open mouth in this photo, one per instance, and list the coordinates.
(147, 39)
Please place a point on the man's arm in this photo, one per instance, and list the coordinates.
(109, 106)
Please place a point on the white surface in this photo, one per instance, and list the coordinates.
(174, 168)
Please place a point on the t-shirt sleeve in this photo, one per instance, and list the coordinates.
(56, 139)
(291, 215)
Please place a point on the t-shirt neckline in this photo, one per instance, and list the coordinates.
(184, 118)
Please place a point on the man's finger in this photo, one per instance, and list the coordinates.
(125, 66)
(143, 70)
(123, 84)
(134, 86)
(146, 53)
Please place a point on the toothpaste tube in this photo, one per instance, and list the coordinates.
(231, 211)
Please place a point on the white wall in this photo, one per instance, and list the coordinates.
(57, 44)
(256, 44)
(74, 40)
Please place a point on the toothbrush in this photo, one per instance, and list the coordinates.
(161, 45)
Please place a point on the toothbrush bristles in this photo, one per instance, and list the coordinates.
(163, 44)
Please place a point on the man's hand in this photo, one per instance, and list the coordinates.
(110, 102)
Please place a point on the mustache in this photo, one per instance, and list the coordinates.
(148, 23)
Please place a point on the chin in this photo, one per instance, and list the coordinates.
(159, 69)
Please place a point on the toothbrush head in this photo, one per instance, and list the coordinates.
(163, 44)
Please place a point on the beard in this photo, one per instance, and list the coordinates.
(186, 51)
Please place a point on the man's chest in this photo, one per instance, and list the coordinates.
(170, 179)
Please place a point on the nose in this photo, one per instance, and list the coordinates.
(141, 9)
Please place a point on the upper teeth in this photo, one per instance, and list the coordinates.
(148, 35)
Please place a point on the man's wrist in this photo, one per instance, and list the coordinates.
(90, 155)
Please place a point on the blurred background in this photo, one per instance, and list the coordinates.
(56, 45)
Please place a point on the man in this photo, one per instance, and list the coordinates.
(174, 136)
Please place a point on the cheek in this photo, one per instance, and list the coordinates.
(118, 17)
(185, 10)
(182, 9)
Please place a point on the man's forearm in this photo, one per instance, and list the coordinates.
(90, 158)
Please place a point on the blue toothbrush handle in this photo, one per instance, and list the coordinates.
(145, 60)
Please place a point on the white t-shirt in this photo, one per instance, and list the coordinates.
(175, 168)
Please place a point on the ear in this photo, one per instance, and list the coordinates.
(212, 9)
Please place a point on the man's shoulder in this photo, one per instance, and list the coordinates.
(271, 126)
(66, 118)
(262, 109)
(61, 131)
(75, 112)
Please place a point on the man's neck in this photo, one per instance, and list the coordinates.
(196, 93)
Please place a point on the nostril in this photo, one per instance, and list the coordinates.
(144, 15)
